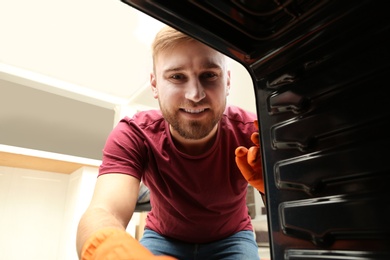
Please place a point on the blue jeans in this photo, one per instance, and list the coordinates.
(241, 245)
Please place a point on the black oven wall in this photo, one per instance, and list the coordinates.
(320, 72)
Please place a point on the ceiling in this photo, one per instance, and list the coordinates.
(93, 55)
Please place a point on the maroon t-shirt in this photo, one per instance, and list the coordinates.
(196, 199)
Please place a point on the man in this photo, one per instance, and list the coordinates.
(185, 155)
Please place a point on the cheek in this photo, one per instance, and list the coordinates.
(173, 90)
(219, 93)
(169, 95)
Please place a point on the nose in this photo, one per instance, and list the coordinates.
(195, 91)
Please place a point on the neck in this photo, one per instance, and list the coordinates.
(194, 147)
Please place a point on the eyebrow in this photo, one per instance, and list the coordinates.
(205, 65)
(211, 65)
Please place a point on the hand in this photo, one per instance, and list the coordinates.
(249, 162)
(111, 243)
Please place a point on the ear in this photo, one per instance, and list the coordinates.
(227, 82)
(153, 85)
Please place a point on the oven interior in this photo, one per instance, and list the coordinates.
(319, 71)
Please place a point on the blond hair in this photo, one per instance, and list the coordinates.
(167, 39)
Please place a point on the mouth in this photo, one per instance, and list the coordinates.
(194, 111)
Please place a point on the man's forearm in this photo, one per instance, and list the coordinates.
(92, 221)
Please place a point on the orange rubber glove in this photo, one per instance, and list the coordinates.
(249, 162)
(115, 244)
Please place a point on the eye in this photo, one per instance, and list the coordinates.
(177, 77)
(209, 75)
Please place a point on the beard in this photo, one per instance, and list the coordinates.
(191, 129)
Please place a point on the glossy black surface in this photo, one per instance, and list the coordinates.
(320, 71)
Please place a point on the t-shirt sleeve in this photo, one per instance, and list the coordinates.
(125, 151)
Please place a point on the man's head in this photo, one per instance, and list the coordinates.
(191, 82)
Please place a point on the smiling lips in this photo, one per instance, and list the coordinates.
(194, 111)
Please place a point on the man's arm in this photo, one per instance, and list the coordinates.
(112, 206)
(102, 232)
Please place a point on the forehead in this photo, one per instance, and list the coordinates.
(190, 53)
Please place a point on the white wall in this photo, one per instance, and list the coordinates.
(242, 91)
(40, 211)
(79, 193)
(31, 213)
